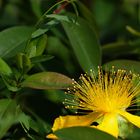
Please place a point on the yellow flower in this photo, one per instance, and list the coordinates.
(104, 98)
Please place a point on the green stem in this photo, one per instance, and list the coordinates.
(60, 2)
(42, 17)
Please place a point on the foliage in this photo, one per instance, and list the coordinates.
(46, 43)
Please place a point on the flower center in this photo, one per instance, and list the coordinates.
(104, 93)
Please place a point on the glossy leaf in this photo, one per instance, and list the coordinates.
(41, 58)
(43, 30)
(8, 115)
(84, 43)
(39, 32)
(23, 62)
(59, 17)
(47, 80)
(82, 133)
(13, 40)
(88, 15)
(129, 65)
(36, 46)
(39, 126)
(25, 121)
(83, 39)
(41, 45)
(10, 84)
(4, 68)
(121, 48)
(36, 123)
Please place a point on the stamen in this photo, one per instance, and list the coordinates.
(104, 92)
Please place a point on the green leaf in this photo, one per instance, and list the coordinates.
(132, 31)
(40, 126)
(47, 80)
(39, 32)
(13, 40)
(41, 58)
(116, 49)
(135, 135)
(25, 121)
(129, 65)
(9, 112)
(36, 46)
(83, 40)
(4, 104)
(84, 43)
(50, 24)
(82, 133)
(23, 62)
(88, 15)
(4, 68)
(41, 45)
(34, 123)
(11, 84)
(43, 30)
(59, 17)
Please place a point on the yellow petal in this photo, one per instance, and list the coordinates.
(131, 118)
(109, 124)
(69, 121)
(52, 136)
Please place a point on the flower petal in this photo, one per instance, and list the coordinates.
(134, 119)
(69, 121)
(52, 136)
(109, 124)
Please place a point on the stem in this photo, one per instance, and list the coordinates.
(42, 17)
(60, 2)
